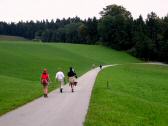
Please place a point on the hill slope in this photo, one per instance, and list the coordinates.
(21, 65)
(136, 96)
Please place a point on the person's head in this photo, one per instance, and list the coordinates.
(45, 71)
(70, 69)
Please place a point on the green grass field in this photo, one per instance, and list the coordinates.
(136, 95)
(21, 64)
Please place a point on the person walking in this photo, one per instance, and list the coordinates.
(100, 66)
(60, 77)
(45, 81)
(72, 78)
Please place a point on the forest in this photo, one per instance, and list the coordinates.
(146, 39)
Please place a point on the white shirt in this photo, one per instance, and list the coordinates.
(59, 75)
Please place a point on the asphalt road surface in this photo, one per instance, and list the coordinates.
(59, 109)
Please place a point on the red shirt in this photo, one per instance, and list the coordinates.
(44, 76)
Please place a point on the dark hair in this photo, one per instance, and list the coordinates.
(70, 69)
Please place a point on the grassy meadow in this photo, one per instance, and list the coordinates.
(21, 64)
(130, 95)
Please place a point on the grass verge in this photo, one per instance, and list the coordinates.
(136, 95)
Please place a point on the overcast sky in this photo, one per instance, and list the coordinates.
(16, 10)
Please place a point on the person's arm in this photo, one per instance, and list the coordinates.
(63, 75)
(75, 75)
(56, 76)
(49, 80)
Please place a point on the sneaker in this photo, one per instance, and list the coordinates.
(45, 95)
(72, 90)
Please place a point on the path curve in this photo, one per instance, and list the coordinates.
(66, 109)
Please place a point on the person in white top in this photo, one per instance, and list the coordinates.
(60, 77)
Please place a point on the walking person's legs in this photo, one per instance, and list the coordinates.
(61, 85)
(71, 81)
(45, 90)
(72, 87)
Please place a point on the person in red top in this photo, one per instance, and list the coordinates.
(44, 81)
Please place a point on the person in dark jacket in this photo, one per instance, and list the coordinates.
(100, 66)
(72, 78)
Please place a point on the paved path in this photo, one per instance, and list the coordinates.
(66, 109)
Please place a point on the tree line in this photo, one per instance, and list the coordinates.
(146, 39)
